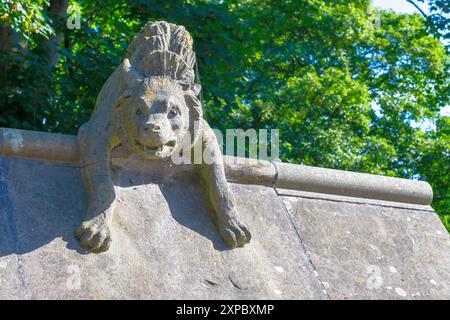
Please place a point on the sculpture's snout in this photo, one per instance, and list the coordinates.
(152, 127)
(155, 124)
(155, 131)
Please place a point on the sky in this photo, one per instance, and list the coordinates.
(402, 6)
(398, 6)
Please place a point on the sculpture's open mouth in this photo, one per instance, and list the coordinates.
(161, 151)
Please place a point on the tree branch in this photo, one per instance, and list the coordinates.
(418, 8)
(427, 18)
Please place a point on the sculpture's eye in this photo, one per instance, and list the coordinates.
(173, 113)
(139, 112)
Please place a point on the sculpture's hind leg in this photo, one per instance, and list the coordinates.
(220, 195)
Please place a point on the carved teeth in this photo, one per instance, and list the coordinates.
(158, 149)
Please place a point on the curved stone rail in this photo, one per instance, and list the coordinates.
(63, 148)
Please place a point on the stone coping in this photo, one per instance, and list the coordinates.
(63, 148)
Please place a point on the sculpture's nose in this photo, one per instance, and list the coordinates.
(152, 126)
(154, 123)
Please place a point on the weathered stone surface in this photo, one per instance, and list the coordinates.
(370, 251)
(352, 184)
(304, 245)
(166, 245)
(10, 272)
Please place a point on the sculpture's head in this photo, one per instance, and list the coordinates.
(159, 105)
(157, 117)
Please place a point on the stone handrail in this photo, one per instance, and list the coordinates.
(63, 148)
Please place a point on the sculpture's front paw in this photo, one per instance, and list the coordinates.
(94, 235)
(233, 233)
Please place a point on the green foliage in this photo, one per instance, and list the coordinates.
(25, 17)
(439, 17)
(345, 84)
(434, 164)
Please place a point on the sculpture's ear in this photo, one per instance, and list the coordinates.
(195, 88)
(132, 76)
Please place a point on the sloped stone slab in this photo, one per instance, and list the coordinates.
(164, 247)
(366, 251)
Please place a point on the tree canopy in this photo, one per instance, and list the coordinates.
(349, 86)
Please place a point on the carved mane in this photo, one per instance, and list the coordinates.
(163, 49)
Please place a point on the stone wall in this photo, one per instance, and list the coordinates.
(315, 236)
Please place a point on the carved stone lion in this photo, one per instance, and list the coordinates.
(149, 105)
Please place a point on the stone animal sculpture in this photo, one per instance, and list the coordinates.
(149, 105)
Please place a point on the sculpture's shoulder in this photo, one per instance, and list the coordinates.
(109, 93)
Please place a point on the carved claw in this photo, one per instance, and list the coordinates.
(94, 235)
(233, 233)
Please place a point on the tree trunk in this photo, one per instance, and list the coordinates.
(58, 13)
(6, 46)
(6, 38)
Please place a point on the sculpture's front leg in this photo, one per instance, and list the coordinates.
(220, 195)
(95, 231)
